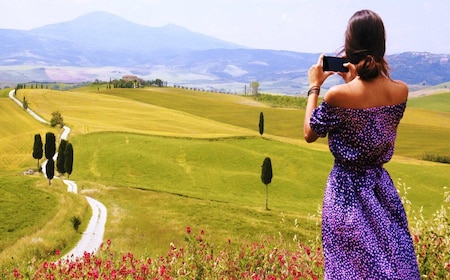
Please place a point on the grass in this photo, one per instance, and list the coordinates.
(88, 112)
(210, 182)
(36, 207)
(434, 102)
(164, 159)
(230, 109)
(38, 210)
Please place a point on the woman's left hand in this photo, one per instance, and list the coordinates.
(350, 75)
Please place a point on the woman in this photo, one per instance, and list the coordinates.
(365, 233)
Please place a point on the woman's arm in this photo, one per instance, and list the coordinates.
(316, 78)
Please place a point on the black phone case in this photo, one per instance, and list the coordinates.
(331, 63)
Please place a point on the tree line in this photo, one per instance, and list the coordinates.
(64, 160)
(136, 83)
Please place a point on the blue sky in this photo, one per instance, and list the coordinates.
(295, 25)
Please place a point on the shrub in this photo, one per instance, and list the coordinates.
(431, 237)
(436, 158)
(56, 119)
(282, 101)
(76, 222)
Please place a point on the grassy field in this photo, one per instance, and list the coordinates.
(164, 159)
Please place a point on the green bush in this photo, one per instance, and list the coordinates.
(76, 222)
(436, 158)
(282, 101)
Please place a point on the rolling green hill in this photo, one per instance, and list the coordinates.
(435, 102)
(164, 159)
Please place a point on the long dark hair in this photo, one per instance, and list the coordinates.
(365, 44)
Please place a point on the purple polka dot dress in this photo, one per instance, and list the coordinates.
(365, 232)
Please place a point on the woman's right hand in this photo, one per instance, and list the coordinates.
(316, 74)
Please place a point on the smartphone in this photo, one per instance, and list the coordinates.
(332, 63)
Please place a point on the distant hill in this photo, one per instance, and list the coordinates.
(102, 46)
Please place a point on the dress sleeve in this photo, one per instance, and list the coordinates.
(324, 119)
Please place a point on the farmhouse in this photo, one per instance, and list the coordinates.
(131, 78)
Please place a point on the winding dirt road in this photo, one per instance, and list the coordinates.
(92, 237)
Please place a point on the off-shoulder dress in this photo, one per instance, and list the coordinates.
(365, 232)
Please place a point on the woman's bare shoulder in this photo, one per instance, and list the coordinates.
(400, 89)
(336, 94)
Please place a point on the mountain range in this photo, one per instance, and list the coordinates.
(103, 46)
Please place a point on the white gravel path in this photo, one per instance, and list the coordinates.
(92, 237)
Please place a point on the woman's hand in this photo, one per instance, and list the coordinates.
(350, 75)
(316, 74)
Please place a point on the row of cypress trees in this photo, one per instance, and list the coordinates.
(64, 161)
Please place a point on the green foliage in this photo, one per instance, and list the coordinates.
(76, 222)
(61, 159)
(50, 145)
(68, 158)
(436, 158)
(25, 103)
(431, 236)
(261, 123)
(38, 151)
(56, 119)
(266, 177)
(266, 172)
(50, 169)
(282, 101)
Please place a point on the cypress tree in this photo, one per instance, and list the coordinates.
(38, 152)
(50, 170)
(68, 156)
(261, 123)
(50, 145)
(266, 177)
(60, 161)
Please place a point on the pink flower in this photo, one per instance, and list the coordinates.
(16, 273)
(57, 252)
(162, 270)
(188, 230)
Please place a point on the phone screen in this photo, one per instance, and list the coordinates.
(332, 63)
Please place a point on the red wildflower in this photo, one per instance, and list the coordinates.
(16, 273)
(188, 230)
